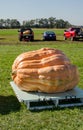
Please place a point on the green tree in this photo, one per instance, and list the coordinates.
(52, 22)
(15, 23)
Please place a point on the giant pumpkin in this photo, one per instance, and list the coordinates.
(45, 70)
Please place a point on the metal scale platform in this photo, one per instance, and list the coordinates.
(39, 100)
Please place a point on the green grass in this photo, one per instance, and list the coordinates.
(10, 36)
(15, 115)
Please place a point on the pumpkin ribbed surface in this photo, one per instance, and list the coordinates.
(46, 70)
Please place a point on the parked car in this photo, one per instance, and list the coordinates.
(49, 35)
(73, 33)
(26, 34)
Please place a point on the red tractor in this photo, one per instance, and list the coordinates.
(73, 34)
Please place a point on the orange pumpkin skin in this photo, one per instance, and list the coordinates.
(46, 70)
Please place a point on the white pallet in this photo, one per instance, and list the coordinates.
(39, 100)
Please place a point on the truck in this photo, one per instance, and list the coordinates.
(74, 33)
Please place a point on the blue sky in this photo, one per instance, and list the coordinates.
(68, 10)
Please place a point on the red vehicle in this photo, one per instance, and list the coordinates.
(73, 33)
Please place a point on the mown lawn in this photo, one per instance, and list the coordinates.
(15, 115)
(10, 36)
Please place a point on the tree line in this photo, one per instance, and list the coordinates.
(50, 22)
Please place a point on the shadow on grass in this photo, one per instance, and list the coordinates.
(41, 40)
(59, 109)
(37, 40)
(1, 38)
(8, 104)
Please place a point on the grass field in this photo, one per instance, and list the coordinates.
(15, 115)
